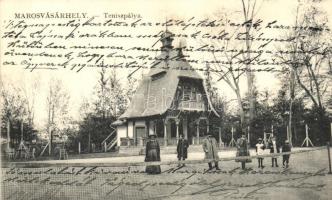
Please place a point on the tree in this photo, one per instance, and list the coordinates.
(57, 109)
(310, 57)
(281, 105)
(315, 52)
(108, 103)
(131, 88)
(13, 103)
(14, 112)
(226, 72)
(218, 102)
(110, 99)
(249, 14)
(30, 93)
(237, 56)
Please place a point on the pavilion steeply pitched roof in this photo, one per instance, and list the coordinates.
(156, 91)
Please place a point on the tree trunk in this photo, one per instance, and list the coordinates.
(89, 142)
(49, 126)
(251, 97)
(241, 111)
(290, 120)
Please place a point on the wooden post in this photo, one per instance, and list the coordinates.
(8, 134)
(49, 123)
(89, 142)
(165, 132)
(331, 135)
(329, 157)
(79, 147)
(249, 134)
(207, 126)
(177, 130)
(306, 135)
(50, 141)
(287, 129)
(291, 135)
(264, 138)
(185, 127)
(307, 139)
(134, 135)
(147, 128)
(127, 134)
(105, 146)
(232, 143)
(197, 131)
(232, 134)
(22, 130)
(155, 127)
(220, 141)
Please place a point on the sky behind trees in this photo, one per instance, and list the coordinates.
(81, 85)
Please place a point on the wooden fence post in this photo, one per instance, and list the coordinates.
(329, 157)
(8, 134)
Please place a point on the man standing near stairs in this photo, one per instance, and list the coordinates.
(182, 149)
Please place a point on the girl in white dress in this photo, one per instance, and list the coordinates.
(260, 151)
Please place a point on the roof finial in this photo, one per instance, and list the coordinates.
(166, 38)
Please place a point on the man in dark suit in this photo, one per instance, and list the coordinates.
(182, 149)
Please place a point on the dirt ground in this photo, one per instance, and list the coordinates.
(306, 178)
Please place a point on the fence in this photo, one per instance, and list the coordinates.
(131, 164)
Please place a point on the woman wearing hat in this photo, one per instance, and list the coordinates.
(260, 151)
(242, 150)
(152, 154)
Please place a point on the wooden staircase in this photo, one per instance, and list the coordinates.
(110, 141)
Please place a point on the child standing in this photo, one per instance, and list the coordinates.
(285, 158)
(260, 151)
(274, 148)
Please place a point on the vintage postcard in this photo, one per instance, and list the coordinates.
(177, 99)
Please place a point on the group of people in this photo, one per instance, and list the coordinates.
(274, 147)
(210, 149)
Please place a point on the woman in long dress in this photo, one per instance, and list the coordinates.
(242, 150)
(152, 154)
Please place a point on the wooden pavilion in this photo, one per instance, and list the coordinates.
(170, 100)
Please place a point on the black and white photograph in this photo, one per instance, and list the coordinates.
(166, 100)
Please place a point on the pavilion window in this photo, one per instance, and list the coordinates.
(199, 100)
(193, 96)
(186, 93)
